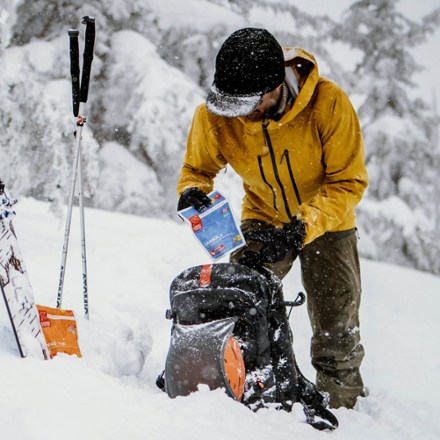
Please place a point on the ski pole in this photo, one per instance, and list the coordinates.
(74, 68)
(87, 56)
(84, 92)
(79, 99)
(82, 227)
(75, 75)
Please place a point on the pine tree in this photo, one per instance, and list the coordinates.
(136, 99)
(153, 67)
(399, 214)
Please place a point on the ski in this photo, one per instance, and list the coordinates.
(15, 286)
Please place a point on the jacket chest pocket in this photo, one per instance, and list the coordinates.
(275, 177)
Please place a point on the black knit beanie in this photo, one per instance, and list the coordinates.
(249, 64)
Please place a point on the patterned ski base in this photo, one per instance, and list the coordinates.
(18, 295)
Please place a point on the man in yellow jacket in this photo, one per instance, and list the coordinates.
(295, 140)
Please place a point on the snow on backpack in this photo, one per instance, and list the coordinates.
(230, 330)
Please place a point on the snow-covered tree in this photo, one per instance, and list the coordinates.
(154, 61)
(137, 100)
(400, 211)
(148, 107)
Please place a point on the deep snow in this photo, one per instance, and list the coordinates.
(110, 392)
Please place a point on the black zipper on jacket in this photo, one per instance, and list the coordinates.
(292, 178)
(275, 169)
(274, 196)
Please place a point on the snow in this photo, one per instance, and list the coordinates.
(157, 84)
(42, 56)
(110, 392)
(119, 190)
(13, 62)
(397, 211)
(200, 14)
(427, 80)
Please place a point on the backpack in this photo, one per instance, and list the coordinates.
(230, 330)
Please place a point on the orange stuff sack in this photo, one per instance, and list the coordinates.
(59, 329)
(234, 367)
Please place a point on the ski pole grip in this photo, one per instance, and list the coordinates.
(74, 68)
(88, 56)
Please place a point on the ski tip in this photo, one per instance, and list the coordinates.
(73, 32)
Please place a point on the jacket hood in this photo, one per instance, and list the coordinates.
(301, 74)
(290, 53)
(305, 69)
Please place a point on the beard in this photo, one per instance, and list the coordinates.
(269, 111)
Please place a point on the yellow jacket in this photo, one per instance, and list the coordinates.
(317, 145)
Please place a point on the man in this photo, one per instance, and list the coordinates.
(295, 140)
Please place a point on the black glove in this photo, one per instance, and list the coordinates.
(278, 242)
(194, 197)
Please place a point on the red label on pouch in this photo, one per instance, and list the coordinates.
(44, 320)
(196, 223)
(218, 249)
(205, 275)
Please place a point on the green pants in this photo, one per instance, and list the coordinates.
(331, 277)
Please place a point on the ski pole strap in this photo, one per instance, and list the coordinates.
(74, 68)
(87, 56)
